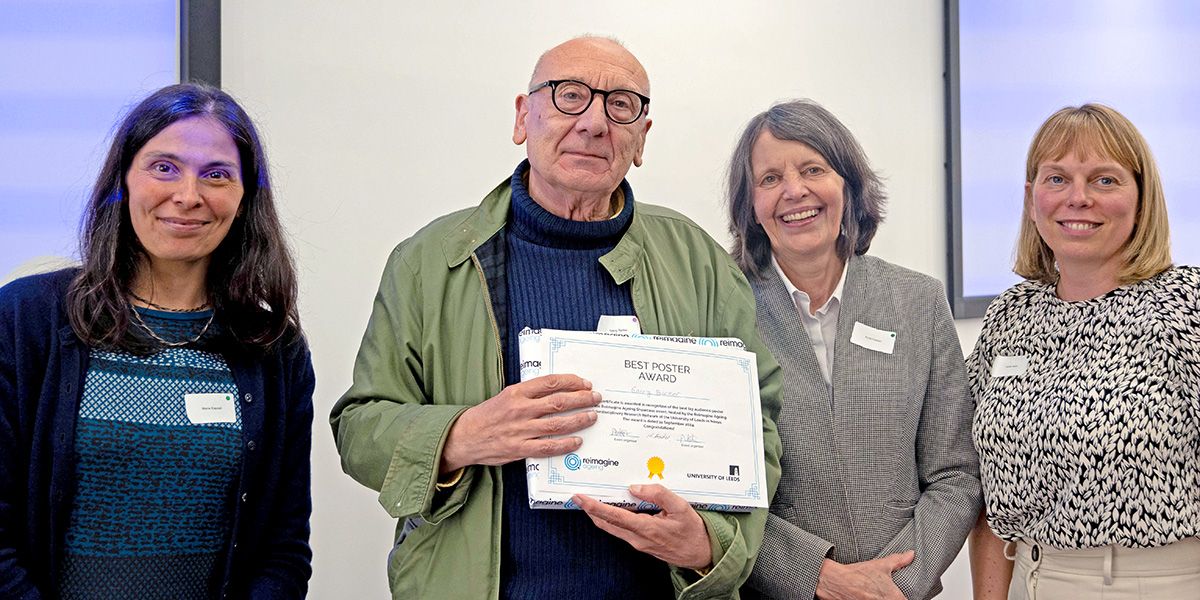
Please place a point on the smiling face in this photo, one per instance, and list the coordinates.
(798, 199)
(185, 190)
(582, 156)
(1084, 208)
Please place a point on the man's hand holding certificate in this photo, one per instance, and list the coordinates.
(681, 412)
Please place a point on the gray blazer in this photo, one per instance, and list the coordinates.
(881, 463)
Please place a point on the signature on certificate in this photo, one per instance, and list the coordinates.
(688, 439)
(621, 433)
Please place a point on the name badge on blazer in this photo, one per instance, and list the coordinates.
(873, 339)
(1010, 366)
(203, 409)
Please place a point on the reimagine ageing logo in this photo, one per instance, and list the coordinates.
(573, 462)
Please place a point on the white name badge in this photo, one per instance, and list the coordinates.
(618, 324)
(1010, 366)
(873, 339)
(203, 409)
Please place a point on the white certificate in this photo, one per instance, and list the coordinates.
(684, 413)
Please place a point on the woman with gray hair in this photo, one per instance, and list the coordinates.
(880, 479)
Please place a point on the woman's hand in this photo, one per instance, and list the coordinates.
(676, 535)
(871, 579)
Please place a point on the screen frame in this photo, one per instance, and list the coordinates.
(200, 41)
(964, 307)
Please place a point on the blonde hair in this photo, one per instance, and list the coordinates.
(1095, 129)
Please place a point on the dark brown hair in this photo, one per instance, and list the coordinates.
(251, 277)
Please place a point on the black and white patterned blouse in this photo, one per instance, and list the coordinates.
(1095, 440)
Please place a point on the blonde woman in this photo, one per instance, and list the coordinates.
(1087, 382)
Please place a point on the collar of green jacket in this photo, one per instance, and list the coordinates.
(491, 215)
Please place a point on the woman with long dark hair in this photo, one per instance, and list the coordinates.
(156, 402)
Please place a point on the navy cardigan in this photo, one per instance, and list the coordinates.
(42, 369)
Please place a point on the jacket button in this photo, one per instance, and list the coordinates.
(251, 445)
(248, 398)
(1036, 553)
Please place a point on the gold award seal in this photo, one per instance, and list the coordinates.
(656, 466)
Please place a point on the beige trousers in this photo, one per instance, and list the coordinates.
(1170, 572)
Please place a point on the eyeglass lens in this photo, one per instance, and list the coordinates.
(573, 97)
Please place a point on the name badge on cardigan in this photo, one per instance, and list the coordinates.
(203, 409)
(1010, 366)
(873, 339)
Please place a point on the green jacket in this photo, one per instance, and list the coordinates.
(432, 349)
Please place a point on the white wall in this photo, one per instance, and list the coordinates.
(380, 116)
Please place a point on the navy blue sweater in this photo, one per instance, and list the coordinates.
(42, 366)
(555, 281)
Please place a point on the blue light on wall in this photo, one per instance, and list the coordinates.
(1021, 60)
(69, 69)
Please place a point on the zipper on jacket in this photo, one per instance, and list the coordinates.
(487, 303)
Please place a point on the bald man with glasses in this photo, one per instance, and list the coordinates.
(437, 419)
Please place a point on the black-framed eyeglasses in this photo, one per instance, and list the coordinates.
(575, 97)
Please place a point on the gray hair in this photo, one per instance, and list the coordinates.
(807, 122)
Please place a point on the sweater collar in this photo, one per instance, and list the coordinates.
(529, 221)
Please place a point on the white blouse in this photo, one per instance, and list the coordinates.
(821, 325)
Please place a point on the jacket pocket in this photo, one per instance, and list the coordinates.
(405, 552)
(899, 511)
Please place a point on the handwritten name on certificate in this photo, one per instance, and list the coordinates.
(682, 412)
